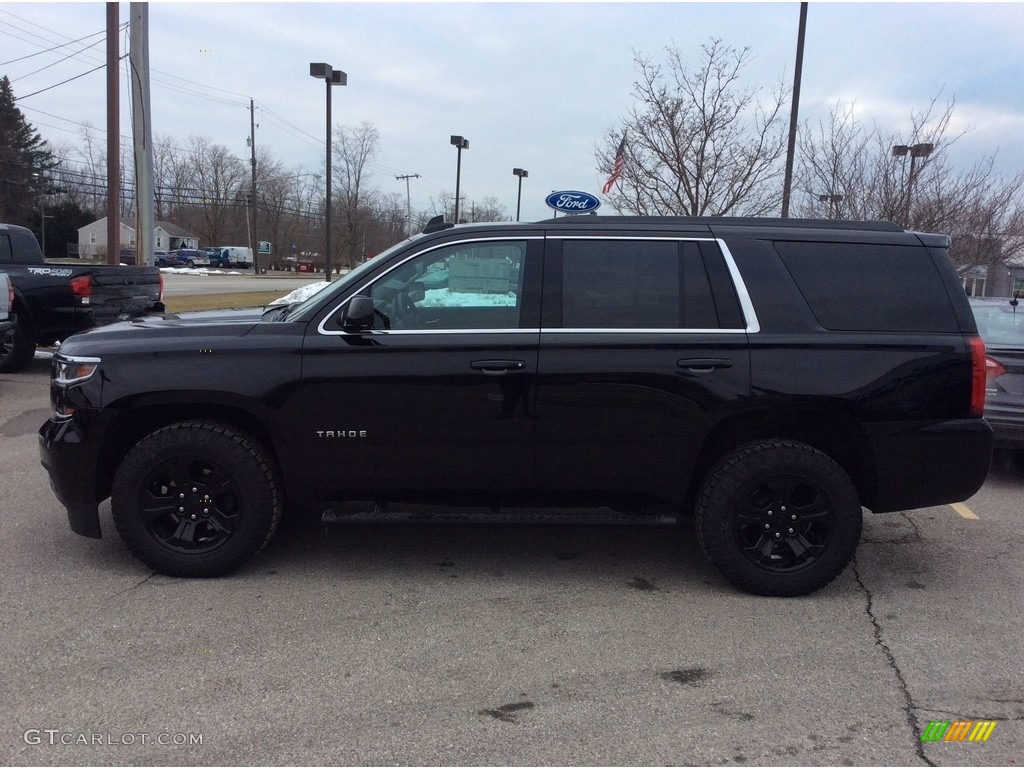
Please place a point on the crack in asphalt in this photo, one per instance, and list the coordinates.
(909, 708)
(134, 586)
(913, 524)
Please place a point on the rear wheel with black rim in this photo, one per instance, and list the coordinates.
(778, 518)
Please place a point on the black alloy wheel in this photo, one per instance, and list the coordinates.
(196, 499)
(779, 518)
(190, 505)
(784, 523)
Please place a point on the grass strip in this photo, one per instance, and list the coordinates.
(221, 300)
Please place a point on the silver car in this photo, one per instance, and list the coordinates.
(1001, 325)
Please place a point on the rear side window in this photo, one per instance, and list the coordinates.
(635, 284)
(866, 287)
(5, 247)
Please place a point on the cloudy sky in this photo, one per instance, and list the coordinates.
(532, 85)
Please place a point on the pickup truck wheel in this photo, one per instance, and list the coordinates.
(17, 351)
(778, 518)
(195, 499)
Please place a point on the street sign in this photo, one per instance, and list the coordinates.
(264, 247)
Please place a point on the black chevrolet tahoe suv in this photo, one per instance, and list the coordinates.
(772, 377)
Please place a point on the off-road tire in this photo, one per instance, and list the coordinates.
(778, 518)
(17, 352)
(196, 499)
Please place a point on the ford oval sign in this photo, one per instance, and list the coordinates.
(572, 202)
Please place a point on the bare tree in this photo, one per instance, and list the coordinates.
(488, 209)
(217, 178)
(172, 179)
(697, 142)
(353, 148)
(848, 169)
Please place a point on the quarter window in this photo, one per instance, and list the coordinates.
(863, 287)
(464, 286)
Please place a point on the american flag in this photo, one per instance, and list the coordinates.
(620, 156)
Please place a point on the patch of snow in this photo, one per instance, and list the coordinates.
(300, 294)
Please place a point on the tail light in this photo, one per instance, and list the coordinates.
(979, 374)
(81, 287)
(10, 294)
(993, 368)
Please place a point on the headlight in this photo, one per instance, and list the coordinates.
(70, 370)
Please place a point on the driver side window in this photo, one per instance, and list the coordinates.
(465, 286)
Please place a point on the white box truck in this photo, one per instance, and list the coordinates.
(230, 256)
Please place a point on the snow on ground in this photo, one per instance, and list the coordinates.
(203, 271)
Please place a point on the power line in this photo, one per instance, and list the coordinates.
(63, 82)
(55, 63)
(54, 48)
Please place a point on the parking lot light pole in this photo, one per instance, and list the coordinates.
(460, 143)
(915, 151)
(833, 201)
(522, 174)
(330, 77)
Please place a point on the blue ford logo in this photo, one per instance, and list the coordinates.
(572, 202)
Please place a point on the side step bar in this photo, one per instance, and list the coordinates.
(410, 513)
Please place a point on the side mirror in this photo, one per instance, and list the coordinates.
(358, 315)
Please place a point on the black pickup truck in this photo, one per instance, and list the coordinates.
(56, 300)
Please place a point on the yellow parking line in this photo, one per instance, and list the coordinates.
(964, 511)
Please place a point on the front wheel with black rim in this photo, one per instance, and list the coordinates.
(778, 518)
(195, 499)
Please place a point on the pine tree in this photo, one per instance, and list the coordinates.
(24, 160)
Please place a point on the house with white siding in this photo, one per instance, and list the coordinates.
(92, 238)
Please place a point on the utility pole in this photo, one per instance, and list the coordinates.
(254, 245)
(142, 132)
(408, 199)
(113, 136)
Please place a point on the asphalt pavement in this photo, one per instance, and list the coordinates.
(435, 645)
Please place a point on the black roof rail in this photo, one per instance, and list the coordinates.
(740, 221)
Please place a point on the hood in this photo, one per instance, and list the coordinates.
(211, 323)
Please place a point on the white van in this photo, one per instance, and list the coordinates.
(231, 256)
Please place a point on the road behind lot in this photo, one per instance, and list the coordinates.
(503, 645)
(199, 282)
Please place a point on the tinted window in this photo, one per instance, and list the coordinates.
(5, 248)
(864, 287)
(635, 284)
(459, 287)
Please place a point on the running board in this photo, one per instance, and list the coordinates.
(602, 516)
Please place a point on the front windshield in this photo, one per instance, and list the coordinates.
(310, 306)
